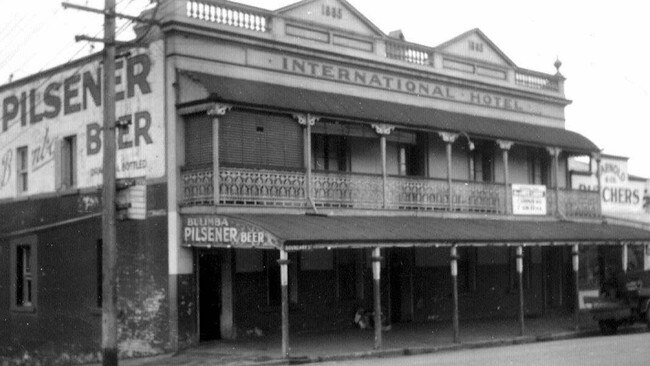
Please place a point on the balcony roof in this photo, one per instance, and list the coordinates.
(344, 107)
(295, 230)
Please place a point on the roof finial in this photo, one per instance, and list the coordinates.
(557, 64)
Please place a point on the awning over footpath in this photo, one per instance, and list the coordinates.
(330, 105)
(304, 231)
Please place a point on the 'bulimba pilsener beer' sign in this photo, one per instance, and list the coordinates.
(225, 232)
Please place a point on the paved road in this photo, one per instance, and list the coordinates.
(600, 351)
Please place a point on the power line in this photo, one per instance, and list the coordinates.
(41, 101)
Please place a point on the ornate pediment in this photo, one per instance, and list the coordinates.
(332, 14)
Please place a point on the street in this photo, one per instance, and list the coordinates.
(617, 350)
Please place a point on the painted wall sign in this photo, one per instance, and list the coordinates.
(391, 82)
(41, 113)
(224, 231)
(528, 199)
(617, 193)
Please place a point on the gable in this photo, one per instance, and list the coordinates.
(332, 14)
(474, 44)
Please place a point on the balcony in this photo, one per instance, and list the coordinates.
(272, 188)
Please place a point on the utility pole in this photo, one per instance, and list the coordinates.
(109, 242)
(109, 247)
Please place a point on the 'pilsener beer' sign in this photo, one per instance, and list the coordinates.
(223, 231)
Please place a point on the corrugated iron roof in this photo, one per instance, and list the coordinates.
(313, 229)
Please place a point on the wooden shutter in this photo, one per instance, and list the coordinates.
(198, 140)
(260, 140)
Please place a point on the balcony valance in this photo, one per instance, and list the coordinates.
(338, 106)
(299, 232)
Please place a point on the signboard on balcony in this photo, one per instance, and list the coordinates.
(528, 199)
(216, 231)
(618, 194)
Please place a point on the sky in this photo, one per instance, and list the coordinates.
(602, 45)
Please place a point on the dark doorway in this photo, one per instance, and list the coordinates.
(401, 285)
(209, 272)
(553, 271)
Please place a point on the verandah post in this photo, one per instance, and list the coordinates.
(575, 251)
(454, 282)
(449, 139)
(520, 272)
(376, 276)
(215, 112)
(284, 282)
(505, 147)
(383, 131)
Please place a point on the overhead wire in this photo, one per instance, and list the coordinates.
(40, 101)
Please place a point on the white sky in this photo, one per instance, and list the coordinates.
(602, 45)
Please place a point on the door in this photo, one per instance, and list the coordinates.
(209, 279)
(553, 268)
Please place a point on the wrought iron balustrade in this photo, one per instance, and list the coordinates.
(197, 186)
(417, 193)
(332, 189)
(579, 203)
(255, 187)
(241, 186)
(479, 197)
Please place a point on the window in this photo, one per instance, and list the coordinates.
(22, 169)
(69, 162)
(409, 160)
(24, 274)
(467, 269)
(538, 172)
(482, 163)
(330, 152)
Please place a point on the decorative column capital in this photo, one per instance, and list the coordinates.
(504, 144)
(304, 119)
(219, 109)
(383, 129)
(554, 151)
(596, 156)
(448, 137)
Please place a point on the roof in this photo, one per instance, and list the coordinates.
(332, 230)
(339, 106)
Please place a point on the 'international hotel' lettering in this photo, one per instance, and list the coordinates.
(395, 83)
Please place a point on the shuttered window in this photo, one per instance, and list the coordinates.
(256, 140)
(198, 140)
(260, 140)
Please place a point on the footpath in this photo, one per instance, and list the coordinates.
(402, 339)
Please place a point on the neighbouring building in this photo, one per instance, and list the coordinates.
(298, 165)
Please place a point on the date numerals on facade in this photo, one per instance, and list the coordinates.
(331, 11)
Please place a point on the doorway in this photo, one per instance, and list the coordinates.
(554, 281)
(209, 290)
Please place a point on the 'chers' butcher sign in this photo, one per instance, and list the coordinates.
(224, 231)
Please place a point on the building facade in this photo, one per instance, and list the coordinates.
(300, 164)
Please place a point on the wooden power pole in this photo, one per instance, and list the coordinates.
(109, 247)
(109, 242)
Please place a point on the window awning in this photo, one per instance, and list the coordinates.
(313, 231)
(338, 106)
